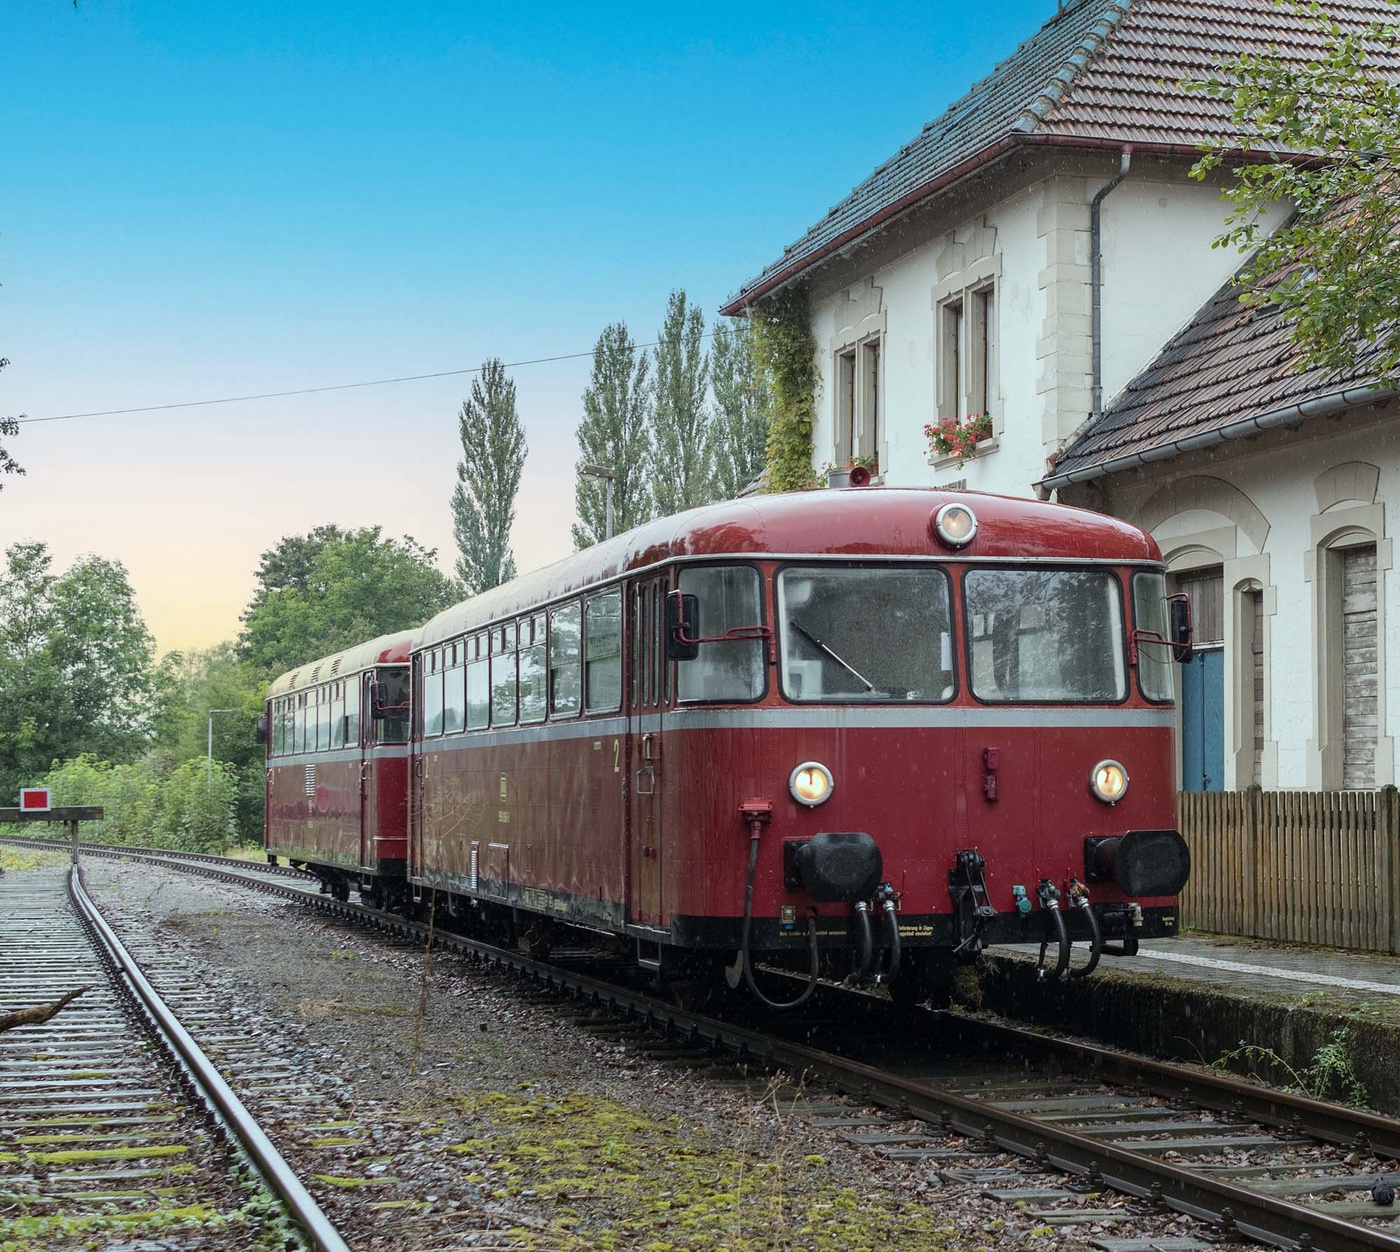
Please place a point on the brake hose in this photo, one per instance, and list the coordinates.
(887, 899)
(806, 993)
(1050, 906)
(1095, 941)
(867, 940)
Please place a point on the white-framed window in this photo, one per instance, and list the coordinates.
(966, 330)
(856, 371)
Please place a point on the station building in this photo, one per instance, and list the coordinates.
(1040, 254)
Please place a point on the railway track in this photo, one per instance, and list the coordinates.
(1256, 1164)
(112, 1120)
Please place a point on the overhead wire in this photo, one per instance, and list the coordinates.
(311, 391)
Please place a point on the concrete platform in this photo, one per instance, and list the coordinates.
(1197, 997)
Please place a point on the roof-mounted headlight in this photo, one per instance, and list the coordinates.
(955, 525)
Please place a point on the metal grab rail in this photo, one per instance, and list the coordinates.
(270, 1163)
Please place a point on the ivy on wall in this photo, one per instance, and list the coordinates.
(786, 354)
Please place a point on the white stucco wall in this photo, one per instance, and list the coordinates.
(1159, 268)
(1281, 483)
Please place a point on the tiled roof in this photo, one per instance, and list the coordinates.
(1096, 73)
(1232, 372)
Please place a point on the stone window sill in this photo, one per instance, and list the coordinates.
(984, 446)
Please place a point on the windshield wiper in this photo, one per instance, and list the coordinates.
(845, 665)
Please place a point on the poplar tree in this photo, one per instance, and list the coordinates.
(488, 478)
(614, 434)
(683, 453)
(741, 409)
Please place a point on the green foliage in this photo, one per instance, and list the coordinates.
(1330, 1072)
(321, 592)
(1334, 269)
(786, 356)
(488, 478)
(741, 408)
(614, 434)
(683, 452)
(190, 807)
(9, 426)
(75, 664)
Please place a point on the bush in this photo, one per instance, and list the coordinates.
(189, 808)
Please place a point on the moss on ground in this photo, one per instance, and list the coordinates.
(619, 1179)
(18, 859)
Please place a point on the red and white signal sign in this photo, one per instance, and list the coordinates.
(34, 800)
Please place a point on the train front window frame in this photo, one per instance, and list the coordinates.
(1154, 660)
(840, 637)
(732, 672)
(993, 665)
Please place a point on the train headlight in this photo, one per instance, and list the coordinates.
(1109, 781)
(956, 525)
(810, 784)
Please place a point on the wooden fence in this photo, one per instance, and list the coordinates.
(1299, 866)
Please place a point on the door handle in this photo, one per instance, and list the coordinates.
(646, 772)
(646, 747)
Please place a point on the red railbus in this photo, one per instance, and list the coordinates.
(337, 768)
(865, 731)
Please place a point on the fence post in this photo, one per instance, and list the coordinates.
(1249, 859)
(1388, 818)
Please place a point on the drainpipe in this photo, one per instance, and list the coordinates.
(1096, 275)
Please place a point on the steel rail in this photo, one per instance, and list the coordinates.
(1254, 1215)
(211, 1087)
(1329, 1122)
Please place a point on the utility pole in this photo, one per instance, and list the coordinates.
(209, 756)
(600, 473)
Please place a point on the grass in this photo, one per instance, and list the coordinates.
(617, 1178)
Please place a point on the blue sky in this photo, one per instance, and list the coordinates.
(205, 200)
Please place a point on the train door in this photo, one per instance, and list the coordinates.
(647, 702)
(368, 791)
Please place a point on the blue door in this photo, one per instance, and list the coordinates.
(1203, 721)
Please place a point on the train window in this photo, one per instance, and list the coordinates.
(338, 718)
(352, 714)
(1040, 636)
(431, 697)
(865, 634)
(1154, 663)
(643, 649)
(323, 720)
(603, 652)
(454, 694)
(503, 688)
(729, 596)
(565, 679)
(478, 694)
(392, 696)
(533, 677)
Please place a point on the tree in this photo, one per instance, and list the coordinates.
(614, 434)
(741, 409)
(682, 448)
(9, 427)
(1334, 269)
(488, 478)
(190, 684)
(75, 664)
(332, 588)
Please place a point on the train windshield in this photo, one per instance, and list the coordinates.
(1043, 636)
(391, 711)
(729, 596)
(865, 634)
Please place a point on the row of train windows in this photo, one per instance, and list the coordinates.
(318, 720)
(560, 663)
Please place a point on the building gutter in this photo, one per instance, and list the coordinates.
(1329, 405)
(1096, 274)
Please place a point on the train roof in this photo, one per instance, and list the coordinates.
(864, 521)
(386, 650)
